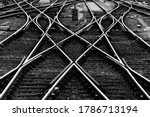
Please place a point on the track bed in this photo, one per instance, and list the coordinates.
(35, 78)
(133, 51)
(113, 80)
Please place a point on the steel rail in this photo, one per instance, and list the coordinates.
(57, 82)
(62, 51)
(111, 47)
(7, 39)
(25, 63)
(16, 68)
(134, 34)
(141, 40)
(2, 42)
(71, 63)
(145, 93)
(32, 20)
(10, 84)
(128, 68)
(86, 42)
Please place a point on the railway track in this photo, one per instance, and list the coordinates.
(139, 24)
(97, 11)
(106, 22)
(29, 84)
(58, 33)
(144, 83)
(30, 12)
(5, 81)
(73, 47)
(59, 61)
(108, 6)
(74, 86)
(141, 9)
(9, 25)
(114, 81)
(25, 41)
(117, 13)
(142, 80)
(52, 12)
(17, 11)
(131, 49)
(43, 22)
(91, 33)
(105, 46)
(8, 7)
(126, 4)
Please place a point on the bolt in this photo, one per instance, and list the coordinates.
(56, 90)
(141, 96)
(96, 95)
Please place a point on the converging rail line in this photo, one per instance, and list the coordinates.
(66, 49)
